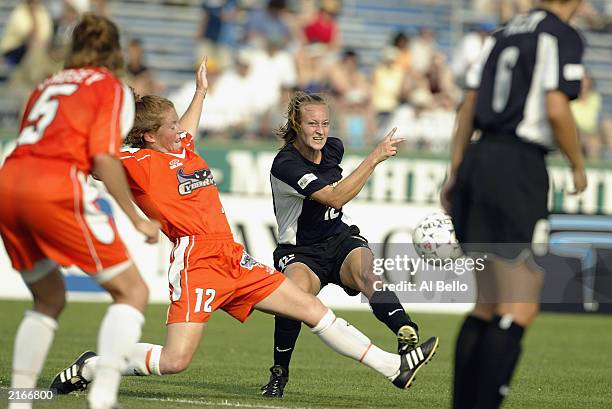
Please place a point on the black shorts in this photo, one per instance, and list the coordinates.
(325, 258)
(500, 194)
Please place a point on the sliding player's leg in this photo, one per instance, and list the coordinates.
(289, 301)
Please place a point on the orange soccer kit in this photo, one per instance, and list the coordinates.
(208, 270)
(48, 213)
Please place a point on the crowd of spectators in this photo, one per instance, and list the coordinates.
(258, 55)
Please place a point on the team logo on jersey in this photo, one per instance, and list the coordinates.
(192, 181)
(248, 261)
(175, 163)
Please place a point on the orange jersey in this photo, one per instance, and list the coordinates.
(74, 115)
(178, 190)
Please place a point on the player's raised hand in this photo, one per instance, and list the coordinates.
(387, 147)
(201, 77)
(150, 229)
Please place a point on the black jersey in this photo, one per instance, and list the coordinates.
(532, 54)
(301, 220)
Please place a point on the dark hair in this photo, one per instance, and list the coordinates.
(95, 42)
(289, 132)
(399, 37)
(149, 116)
(349, 53)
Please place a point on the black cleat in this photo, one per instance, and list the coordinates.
(279, 376)
(407, 338)
(413, 360)
(70, 379)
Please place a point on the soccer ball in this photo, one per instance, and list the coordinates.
(434, 238)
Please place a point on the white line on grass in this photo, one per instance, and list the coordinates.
(224, 402)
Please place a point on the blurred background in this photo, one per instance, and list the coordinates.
(382, 63)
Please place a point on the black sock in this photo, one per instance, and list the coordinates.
(467, 349)
(286, 333)
(387, 308)
(500, 350)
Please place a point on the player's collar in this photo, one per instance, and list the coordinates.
(177, 155)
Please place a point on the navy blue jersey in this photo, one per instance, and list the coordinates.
(532, 54)
(301, 220)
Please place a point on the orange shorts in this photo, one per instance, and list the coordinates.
(49, 215)
(206, 275)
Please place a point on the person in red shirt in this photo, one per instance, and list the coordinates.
(209, 270)
(323, 28)
(73, 125)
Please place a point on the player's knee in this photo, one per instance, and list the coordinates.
(177, 363)
(133, 292)
(313, 311)
(52, 305)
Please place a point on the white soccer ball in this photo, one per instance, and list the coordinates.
(434, 238)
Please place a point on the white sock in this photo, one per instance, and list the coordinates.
(347, 340)
(32, 342)
(142, 361)
(119, 331)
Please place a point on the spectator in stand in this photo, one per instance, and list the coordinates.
(272, 69)
(423, 48)
(64, 23)
(352, 100)
(139, 76)
(324, 27)
(213, 27)
(387, 81)
(25, 43)
(586, 110)
(442, 86)
(268, 23)
(311, 68)
(404, 57)
(467, 52)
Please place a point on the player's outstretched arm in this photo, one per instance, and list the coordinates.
(566, 136)
(108, 169)
(191, 118)
(464, 128)
(339, 195)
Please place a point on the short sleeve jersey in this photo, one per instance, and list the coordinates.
(74, 115)
(301, 220)
(178, 190)
(533, 54)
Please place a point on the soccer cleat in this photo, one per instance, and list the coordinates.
(278, 379)
(407, 337)
(413, 360)
(70, 379)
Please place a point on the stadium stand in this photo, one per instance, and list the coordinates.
(168, 30)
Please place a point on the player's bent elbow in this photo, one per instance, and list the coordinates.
(329, 198)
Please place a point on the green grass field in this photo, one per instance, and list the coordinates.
(567, 364)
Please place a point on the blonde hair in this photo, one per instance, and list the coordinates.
(149, 117)
(289, 132)
(95, 42)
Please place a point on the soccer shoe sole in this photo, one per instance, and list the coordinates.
(408, 336)
(57, 380)
(430, 355)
